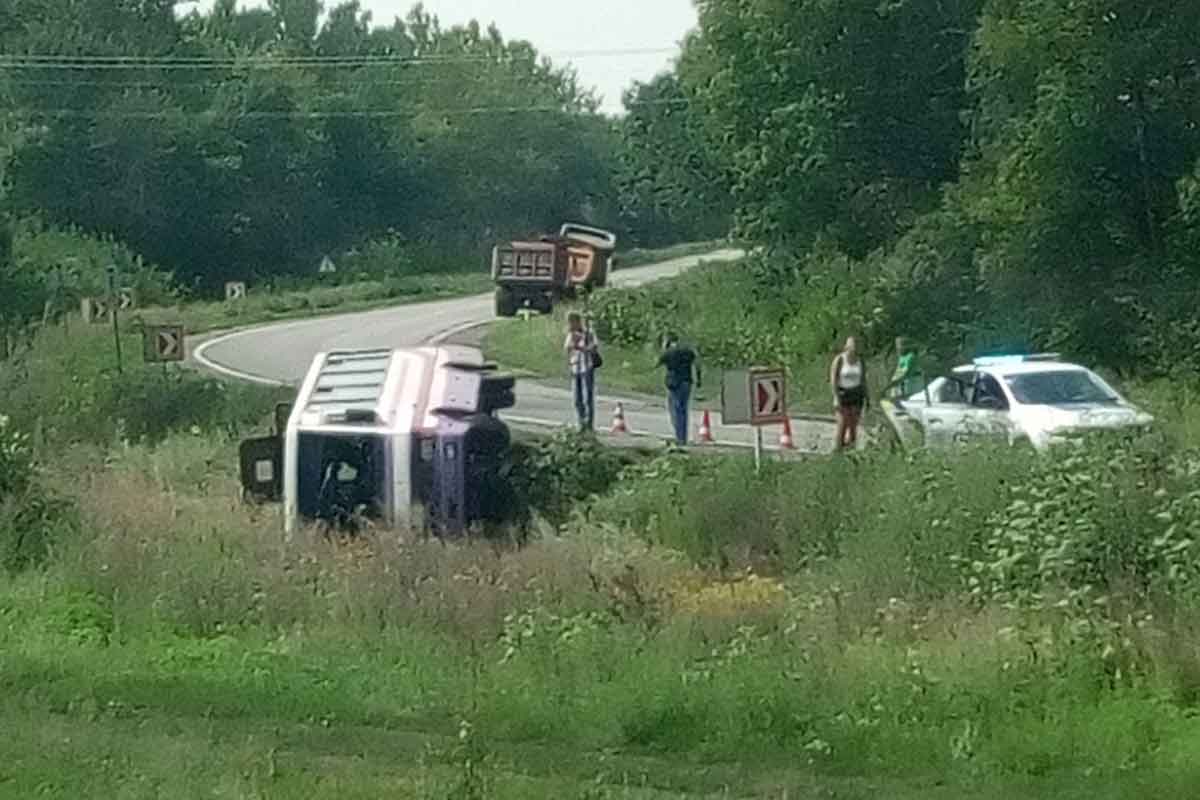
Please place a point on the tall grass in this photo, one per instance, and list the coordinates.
(727, 312)
(66, 388)
(989, 622)
(288, 302)
(638, 256)
(855, 650)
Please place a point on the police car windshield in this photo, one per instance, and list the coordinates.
(1062, 387)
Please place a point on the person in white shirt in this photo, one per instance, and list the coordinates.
(848, 378)
(581, 347)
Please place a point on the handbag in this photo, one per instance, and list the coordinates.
(597, 359)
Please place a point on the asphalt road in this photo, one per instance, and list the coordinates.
(280, 354)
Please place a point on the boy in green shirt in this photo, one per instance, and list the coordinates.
(906, 381)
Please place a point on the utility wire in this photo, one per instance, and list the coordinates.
(91, 62)
(234, 114)
(218, 82)
(612, 51)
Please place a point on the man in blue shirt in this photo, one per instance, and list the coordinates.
(679, 362)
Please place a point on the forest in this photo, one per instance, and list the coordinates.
(972, 173)
(251, 142)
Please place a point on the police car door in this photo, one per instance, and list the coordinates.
(988, 412)
(944, 418)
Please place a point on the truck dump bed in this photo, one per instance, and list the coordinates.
(534, 262)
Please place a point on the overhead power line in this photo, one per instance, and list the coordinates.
(217, 82)
(93, 62)
(594, 52)
(234, 114)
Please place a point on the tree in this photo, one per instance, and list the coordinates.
(671, 188)
(1087, 133)
(836, 118)
(261, 160)
(296, 23)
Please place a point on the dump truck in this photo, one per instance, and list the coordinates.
(537, 274)
(406, 438)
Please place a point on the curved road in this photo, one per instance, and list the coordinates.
(280, 354)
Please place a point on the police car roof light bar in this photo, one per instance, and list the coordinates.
(995, 361)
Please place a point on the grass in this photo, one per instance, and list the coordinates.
(64, 386)
(724, 312)
(861, 627)
(179, 645)
(533, 348)
(639, 257)
(259, 307)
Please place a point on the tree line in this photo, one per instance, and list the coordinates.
(993, 170)
(253, 142)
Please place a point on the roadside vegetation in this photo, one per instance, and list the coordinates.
(989, 623)
(722, 309)
(1028, 179)
(984, 623)
(641, 256)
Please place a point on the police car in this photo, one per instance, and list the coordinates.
(1037, 399)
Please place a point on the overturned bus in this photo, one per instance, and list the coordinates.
(408, 438)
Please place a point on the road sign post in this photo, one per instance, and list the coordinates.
(113, 305)
(768, 397)
(756, 397)
(235, 290)
(95, 309)
(163, 344)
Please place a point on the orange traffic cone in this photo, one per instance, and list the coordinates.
(705, 435)
(785, 438)
(618, 424)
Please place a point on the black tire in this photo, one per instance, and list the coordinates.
(506, 303)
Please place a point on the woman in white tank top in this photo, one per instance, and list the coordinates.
(848, 379)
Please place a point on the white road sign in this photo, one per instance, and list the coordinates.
(768, 397)
(95, 309)
(754, 397)
(163, 343)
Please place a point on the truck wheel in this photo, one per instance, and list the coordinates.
(506, 304)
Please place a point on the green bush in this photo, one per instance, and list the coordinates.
(554, 475)
(766, 309)
(1080, 527)
(16, 460)
(891, 521)
(145, 406)
(31, 516)
(66, 387)
(68, 265)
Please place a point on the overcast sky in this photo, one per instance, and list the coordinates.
(559, 27)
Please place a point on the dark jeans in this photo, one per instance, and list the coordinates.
(677, 401)
(585, 398)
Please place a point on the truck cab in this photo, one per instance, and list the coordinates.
(405, 438)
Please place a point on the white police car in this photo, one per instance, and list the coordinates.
(1033, 398)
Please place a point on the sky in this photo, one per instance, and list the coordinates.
(561, 27)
